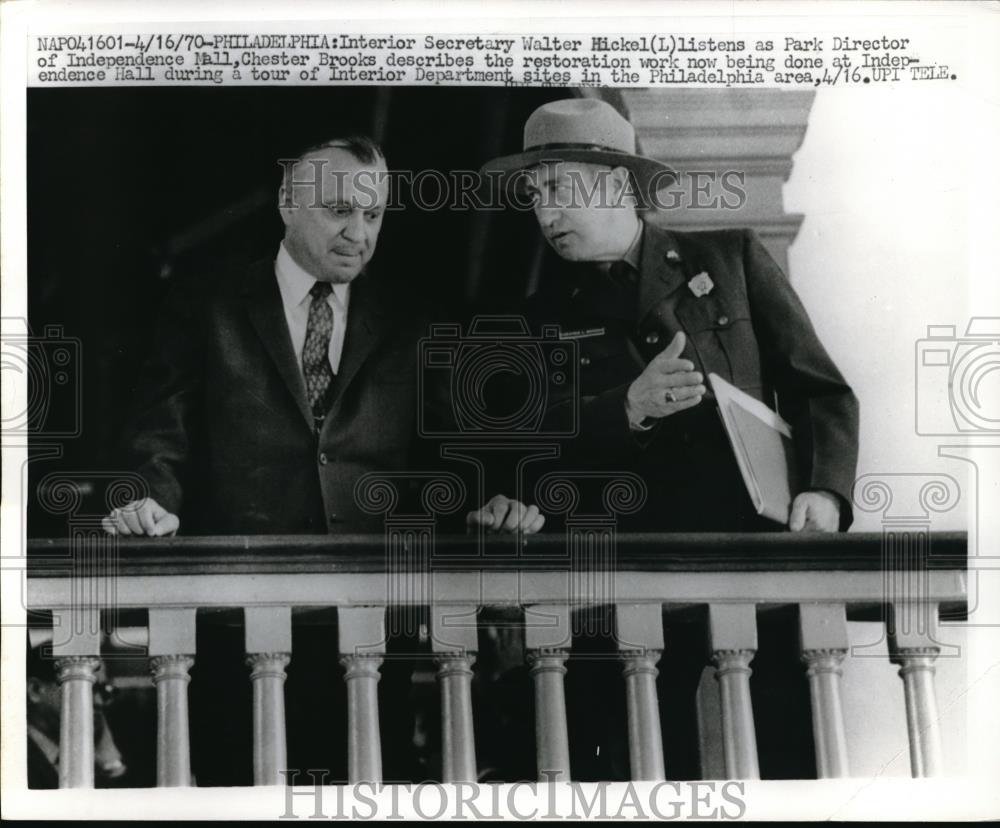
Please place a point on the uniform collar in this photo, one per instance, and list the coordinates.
(633, 255)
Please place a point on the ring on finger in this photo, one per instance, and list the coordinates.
(669, 395)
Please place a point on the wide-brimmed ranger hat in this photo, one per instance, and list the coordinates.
(587, 130)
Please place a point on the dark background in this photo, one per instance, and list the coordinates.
(132, 189)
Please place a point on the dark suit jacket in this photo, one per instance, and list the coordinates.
(751, 329)
(222, 430)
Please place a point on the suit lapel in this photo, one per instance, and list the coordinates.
(366, 326)
(267, 316)
(662, 270)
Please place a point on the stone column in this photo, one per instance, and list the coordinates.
(454, 640)
(823, 638)
(76, 675)
(640, 642)
(76, 647)
(268, 652)
(733, 642)
(548, 640)
(914, 648)
(173, 743)
(171, 656)
(362, 645)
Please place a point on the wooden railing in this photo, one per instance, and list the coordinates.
(828, 577)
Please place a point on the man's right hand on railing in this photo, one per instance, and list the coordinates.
(501, 514)
(142, 517)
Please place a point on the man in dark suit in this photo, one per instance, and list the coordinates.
(273, 390)
(654, 312)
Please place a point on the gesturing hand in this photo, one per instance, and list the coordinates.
(501, 514)
(141, 517)
(667, 385)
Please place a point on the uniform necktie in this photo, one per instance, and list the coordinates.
(622, 274)
(617, 291)
(316, 350)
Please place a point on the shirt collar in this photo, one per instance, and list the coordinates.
(295, 283)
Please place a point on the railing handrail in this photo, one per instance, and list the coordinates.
(653, 552)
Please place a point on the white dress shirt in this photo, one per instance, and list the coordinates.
(295, 284)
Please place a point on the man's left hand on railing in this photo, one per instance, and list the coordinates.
(142, 517)
(501, 514)
(815, 512)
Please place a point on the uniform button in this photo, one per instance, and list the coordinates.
(585, 361)
(652, 338)
(723, 320)
(322, 458)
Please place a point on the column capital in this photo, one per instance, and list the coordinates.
(271, 665)
(640, 661)
(916, 652)
(732, 661)
(913, 659)
(362, 665)
(455, 664)
(174, 666)
(548, 660)
(824, 660)
(77, 667)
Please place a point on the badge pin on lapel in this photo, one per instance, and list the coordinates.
(701, 285)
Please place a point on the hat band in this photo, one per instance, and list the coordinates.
(591, 147)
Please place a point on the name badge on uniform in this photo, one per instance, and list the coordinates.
(586, 333)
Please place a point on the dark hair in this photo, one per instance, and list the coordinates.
(363, 148)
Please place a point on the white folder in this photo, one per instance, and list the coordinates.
(763, 446)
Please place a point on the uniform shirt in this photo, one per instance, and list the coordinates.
(295, 284)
